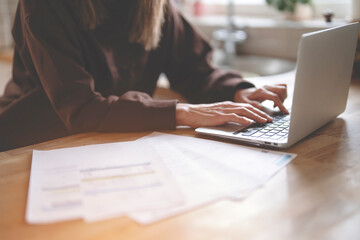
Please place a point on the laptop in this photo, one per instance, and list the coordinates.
(322, 81)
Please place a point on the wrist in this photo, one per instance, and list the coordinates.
(238, 95)
(181, 113)
(239, 88)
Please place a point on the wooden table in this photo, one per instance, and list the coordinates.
(316, 197)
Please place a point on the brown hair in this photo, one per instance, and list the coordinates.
(92, 13)
(147, 19)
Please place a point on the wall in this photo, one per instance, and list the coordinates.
(7, 13)
(266, 37)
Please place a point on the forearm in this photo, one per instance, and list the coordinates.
(133, 111)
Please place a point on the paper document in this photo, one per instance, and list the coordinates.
(98, 181)
(210, 170)
(201, 183)
(54, 191)
(149, 179)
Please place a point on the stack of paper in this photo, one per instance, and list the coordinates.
(97, 182)
(148, 180)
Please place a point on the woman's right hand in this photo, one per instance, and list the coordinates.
(213, 114)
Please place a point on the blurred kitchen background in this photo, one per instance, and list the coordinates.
(255, 37)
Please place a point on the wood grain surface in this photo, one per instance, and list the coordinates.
(317, 196)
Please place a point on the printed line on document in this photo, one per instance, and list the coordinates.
(115, 167)
(118, 176)
(156, 184)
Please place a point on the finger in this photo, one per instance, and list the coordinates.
(253, 103)
(228, 104)
(241, 109)
(285, 89)
(219, 118)
(218, 105)
(280, 90)
(262, 113)
(268, 95)
(233, 117)
(245, 112)
(279, 84)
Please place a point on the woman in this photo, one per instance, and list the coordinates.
(92, 65)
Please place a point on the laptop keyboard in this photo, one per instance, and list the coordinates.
(276, 130)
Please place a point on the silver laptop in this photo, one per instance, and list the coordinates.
(323, 75)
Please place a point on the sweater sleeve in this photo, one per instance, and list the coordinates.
(189, 66)
(57, 59)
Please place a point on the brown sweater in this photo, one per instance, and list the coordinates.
(67, 80)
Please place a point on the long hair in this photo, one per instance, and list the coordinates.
(146, 19)
(91, 13)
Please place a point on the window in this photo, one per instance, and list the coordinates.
(259, 8)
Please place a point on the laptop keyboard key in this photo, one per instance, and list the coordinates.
(257, 134)
(278, 129)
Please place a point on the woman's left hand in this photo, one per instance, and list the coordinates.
(255, 96)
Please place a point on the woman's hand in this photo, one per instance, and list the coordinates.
(204, 115)
(255, 96)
